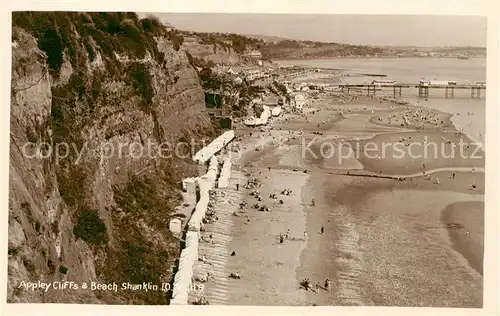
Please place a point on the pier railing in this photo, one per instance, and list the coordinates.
(423, 89)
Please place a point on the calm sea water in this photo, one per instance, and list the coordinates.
(469, 114)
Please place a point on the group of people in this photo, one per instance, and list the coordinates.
(284, 236)
(306, 283)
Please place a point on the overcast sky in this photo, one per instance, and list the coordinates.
(403, 30)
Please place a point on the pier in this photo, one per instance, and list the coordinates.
(423, 89)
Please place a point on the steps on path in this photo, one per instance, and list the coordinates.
(217, 290)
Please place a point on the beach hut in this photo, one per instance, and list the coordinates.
(175, 226)
(189, 185)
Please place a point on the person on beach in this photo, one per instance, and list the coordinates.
(453, 175)
(317, 287)
(322, 229)
(282, 239)
(305, 235)
(237, 186)
(327, 284)
(312, 202)
(306, 283)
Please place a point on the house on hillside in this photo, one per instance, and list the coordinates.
(253, 54)
(253, 74)
(190, 39)
(299, 101)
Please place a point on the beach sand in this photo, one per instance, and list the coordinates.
(268, 268)
(386, 242)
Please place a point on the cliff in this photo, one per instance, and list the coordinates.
(212, 52)
(96, 100)
(220, 48)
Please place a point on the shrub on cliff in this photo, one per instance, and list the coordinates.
(209, 79)
(142, 83)
(176, 39)
(153, 25)
(239, 43)
(90, 228)
(281, 87)
(137, 258)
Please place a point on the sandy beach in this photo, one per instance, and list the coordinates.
(416, 241)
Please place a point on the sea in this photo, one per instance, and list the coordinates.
(468, 114)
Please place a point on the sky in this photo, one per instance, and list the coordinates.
(383, 30)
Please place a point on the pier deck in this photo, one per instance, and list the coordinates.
(423, 89)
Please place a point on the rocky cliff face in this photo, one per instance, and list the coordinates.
(212, 52)
(98, 102)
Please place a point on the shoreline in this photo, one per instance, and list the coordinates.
(466, 239)
(372, 57)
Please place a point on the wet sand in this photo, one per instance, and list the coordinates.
(467, 238)
(385, 245)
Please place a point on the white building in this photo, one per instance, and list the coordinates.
(299, 101)
(254, 74)
(175, 226)
(253, 54)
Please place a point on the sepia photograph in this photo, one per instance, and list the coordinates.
(247, 159)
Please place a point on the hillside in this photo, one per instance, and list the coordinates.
(279, 48)
(292, 49)
(220, 48)
(104, 91)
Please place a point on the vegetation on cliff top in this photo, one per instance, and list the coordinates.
(238, 42)
(108, 33)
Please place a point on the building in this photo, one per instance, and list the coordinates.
(253, 54)
(253, 74)
(190, 39)
(175, 226)
(299, 101)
